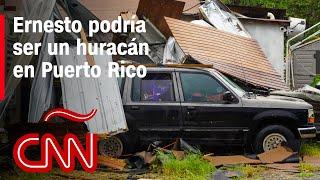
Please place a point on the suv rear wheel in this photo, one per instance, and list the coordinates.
(118, 145)
(273, 136)
(111, 146)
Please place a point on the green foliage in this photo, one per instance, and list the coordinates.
(308, 9)
(307, 170)
(193, 166)
(316, 80)
(310, 149)
(248, 171)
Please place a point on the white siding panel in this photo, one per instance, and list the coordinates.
(84, 94)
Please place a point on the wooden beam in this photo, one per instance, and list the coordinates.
(90, 58)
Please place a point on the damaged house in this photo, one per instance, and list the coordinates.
(170, 39)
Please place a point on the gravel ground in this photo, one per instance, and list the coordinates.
(269, 174)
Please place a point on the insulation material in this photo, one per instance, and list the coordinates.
(222, 18)
(201, 23)
(84, 94)
(42, 87)
(172, 52)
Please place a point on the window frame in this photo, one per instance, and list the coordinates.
(181, 91)
(174, 88)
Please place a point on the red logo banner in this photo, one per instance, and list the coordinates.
(2, 57)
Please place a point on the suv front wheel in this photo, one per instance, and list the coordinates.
(273, 136)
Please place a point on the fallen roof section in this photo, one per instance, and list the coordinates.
(231, 54)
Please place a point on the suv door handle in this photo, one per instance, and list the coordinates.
(191, 108)
(135, 107)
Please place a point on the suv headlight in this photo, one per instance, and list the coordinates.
(311, 117)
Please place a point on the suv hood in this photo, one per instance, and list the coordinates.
(272, 101)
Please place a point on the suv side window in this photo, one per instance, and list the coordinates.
(155, 87)
(198, 87)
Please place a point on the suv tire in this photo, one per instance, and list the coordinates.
(116, 146)
(271, 136)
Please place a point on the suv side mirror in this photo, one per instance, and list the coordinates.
(228, 97)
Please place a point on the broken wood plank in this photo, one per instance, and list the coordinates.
(84, 39)
(230, 160)
(179, 154)
(278, 154)
(112, 162)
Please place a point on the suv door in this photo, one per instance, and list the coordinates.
(153, 106)
(206, 115)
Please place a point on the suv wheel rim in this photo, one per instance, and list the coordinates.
(272, 141)
(111, 147)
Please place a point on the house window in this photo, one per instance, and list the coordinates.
(155, 87)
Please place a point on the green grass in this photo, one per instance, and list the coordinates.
(193, 166)
(248, 171)
(310, 149)
(308, 170)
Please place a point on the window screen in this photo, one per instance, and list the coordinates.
(154, 87)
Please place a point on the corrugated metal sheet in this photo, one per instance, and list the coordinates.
(234, 55)
(84, 94)
(41, 94)
(41, 10)
(111, 9)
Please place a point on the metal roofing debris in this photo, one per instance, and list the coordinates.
(306, 93)
(258, 12)
(263, 20)
(42, 11)
(84, 94)
(172, 52)
(231, 54)
(41, 94)
(222, 18)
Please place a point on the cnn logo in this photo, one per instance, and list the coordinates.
(50, 148)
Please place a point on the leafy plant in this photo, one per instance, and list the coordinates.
(310, 149)
(193, 166)
(308, 9)
(316, 80)
(249, 171)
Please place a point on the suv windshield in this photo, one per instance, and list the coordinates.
(235, 87)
